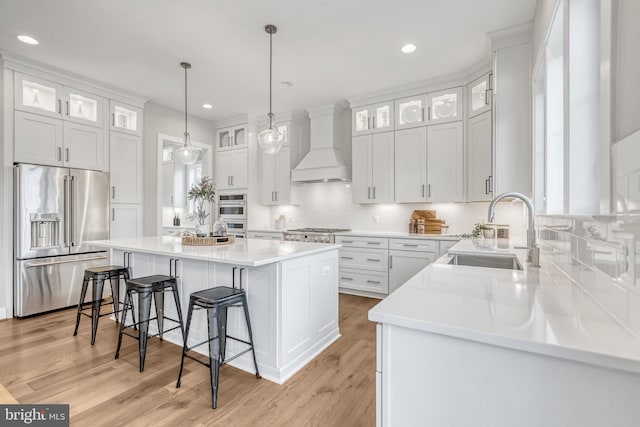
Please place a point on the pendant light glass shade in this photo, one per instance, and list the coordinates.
(187, 154)
(270, 139)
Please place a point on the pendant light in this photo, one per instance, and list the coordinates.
(187, 154)
(270, 139)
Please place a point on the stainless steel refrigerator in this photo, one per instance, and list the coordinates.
(56, 210)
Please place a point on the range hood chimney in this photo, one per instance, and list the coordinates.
(329, 158)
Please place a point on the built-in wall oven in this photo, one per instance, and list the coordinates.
(232, 209)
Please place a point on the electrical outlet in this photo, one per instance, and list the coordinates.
(326, 270)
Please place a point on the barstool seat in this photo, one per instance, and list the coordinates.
(97, 275)
(216, 301)
(146, 288)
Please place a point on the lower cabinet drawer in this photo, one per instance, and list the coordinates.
(366, 259)
(371, 282)
(414, 245)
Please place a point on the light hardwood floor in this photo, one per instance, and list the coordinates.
(41, 362)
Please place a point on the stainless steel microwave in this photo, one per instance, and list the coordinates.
(232, 207)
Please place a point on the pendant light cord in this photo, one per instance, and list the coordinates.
(270, 78)
(185, 102)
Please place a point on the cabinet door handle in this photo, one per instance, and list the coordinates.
(59, 153)
(59, 106)
(406, 245)
(422, 190)
(66, 154)
(346, 278)
(67, 102)
(113, 191)
(429, 190)
(276, 195)
(373, 282)
(486, 97)
(113, 214)
(346, 257)
(373, 243)
(113, 119)
(490, 183)
(368, 192)
(390, 261)
(373, 260)
(232, 180)
(368, 122)
(374, 122)
(374, 193)
(347, 241)
(490, 78)
(423, 117)
(429, 113)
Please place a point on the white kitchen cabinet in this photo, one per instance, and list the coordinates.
(444, 106)
(372, 118)
(373, 164)
(38, 139)
(276, 177)
(40, 96)
(231, 138)
(479, 95)
(167, 190)
(83, 146)
(125, 118)
(445, 245)
(371, 281)
(125, 154)
(126, 221)
(445, 163)
(363, 263)
(479, 158)
(48, 141)
(231, 169)
(410, 112)
(410, 157)
(405, 264)
(266, 235)
(36, 95)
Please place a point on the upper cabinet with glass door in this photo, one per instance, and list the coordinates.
(372, 118)
(444, 106)
(479, 95)
(411, 112)
(43, 97)
(231, 138)
(125, 118)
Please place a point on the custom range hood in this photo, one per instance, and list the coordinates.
(329, 158)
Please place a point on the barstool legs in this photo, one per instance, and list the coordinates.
(214, 324)
(144, 307)
(253, 351)
(159, 299)
(185, 346)
(127, 306)
(98, 287)
(83, 294)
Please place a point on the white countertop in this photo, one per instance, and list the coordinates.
(246, 252)
(398, 235)
(267, 230)
(537, 310)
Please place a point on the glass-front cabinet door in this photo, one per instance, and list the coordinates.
(410, 112)
(444, 106)
(83, 107)
(126, 118)
(223, 138)
(37, 95)
(239, 136)
(382, 119)
(361, 120)
(479, 95)
(231, 137)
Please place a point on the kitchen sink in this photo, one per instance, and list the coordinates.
(508, 262)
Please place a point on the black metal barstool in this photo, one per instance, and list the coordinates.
(216, 301)
(146, 287)
(97, 275)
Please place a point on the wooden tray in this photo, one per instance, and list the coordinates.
(208, 241)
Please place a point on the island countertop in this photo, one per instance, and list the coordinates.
(244, 252)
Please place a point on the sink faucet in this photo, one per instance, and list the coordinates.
(533, 254)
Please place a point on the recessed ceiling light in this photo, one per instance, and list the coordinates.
(27, 39)
(408, 48)
(207, 106)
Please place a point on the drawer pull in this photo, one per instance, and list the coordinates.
(375, 282)
(406, 245)
(373, 243)
(347, 241)
(346, 278)
(373, 260)
(346, 257)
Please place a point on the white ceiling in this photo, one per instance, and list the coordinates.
(328, 49)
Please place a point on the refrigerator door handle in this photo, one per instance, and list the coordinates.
(65, 232)
(40, 264)
(72, 206)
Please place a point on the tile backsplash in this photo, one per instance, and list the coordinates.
(602, 254)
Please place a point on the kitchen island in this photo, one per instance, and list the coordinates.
(292, 292)
(462, 345)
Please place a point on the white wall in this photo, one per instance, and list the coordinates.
(330, 205)
(160, 119)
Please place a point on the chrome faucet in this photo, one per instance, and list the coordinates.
(533, 254)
